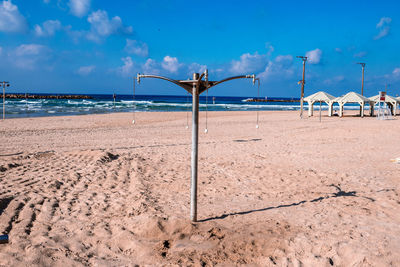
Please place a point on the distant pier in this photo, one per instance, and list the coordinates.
(271, 100)
(42, 96)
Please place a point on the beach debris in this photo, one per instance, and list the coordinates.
(3, 239)
(56, 185)
(9, 166)
(396, 160)
(108, 157)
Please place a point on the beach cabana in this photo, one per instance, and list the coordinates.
(392, 101)
(353, 97)
(319, 97)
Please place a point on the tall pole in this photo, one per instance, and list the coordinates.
(5, 84)
(4, 100)
(303, 81)
(362, 81)
(362, 77)
(195, 144)
(195, 87)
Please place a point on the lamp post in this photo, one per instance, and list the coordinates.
(5, 84)
(362, 79)
(302, 82)
(196, 86)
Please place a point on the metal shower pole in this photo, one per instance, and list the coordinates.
(4, 83)
(302, 82)
(196, 86)
(195, 152)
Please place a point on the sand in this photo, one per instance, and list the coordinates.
(96, 190)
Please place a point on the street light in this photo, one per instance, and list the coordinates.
(5, 84)
(386, 86)
(302, 82)
(362, 80)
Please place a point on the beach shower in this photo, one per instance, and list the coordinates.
(196, 86)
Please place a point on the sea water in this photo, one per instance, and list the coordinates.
(100, 104)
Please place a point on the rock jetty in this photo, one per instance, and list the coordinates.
(33, 96)
(271, 100)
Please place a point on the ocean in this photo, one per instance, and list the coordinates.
(100, 104)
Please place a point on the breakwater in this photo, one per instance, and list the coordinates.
(272, 100)
(43, 96)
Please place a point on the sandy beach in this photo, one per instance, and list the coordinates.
(96, 190)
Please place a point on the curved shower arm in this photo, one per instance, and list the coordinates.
(199, 80)
(160, 77)
(235, 77)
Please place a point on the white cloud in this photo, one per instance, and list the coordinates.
(101, 26)
(136, 48)
(383, 21)
(151, 67)
(248, 63)
(196, 68)
(75, 36)
(280, 67)
(314, 56)
(26, 56)
(270, 48)
(48, 28)
(170, 64)
(86, 70)
(360, 54)
(338, 50)
(284, 60)
(384, 27)
(10, 18)
(29, 49)
(46, 1)
(127, 68)
(79, 8)
(334, 80)
(396, 72)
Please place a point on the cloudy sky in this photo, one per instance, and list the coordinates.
(97, 46)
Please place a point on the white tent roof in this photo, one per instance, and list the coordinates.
(320, 96)
(352, 97)
(388, 98)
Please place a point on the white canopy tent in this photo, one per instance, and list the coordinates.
(319, 97)
(353, 97)
(388, 99)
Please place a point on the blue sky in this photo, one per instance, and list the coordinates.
(97, 46)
